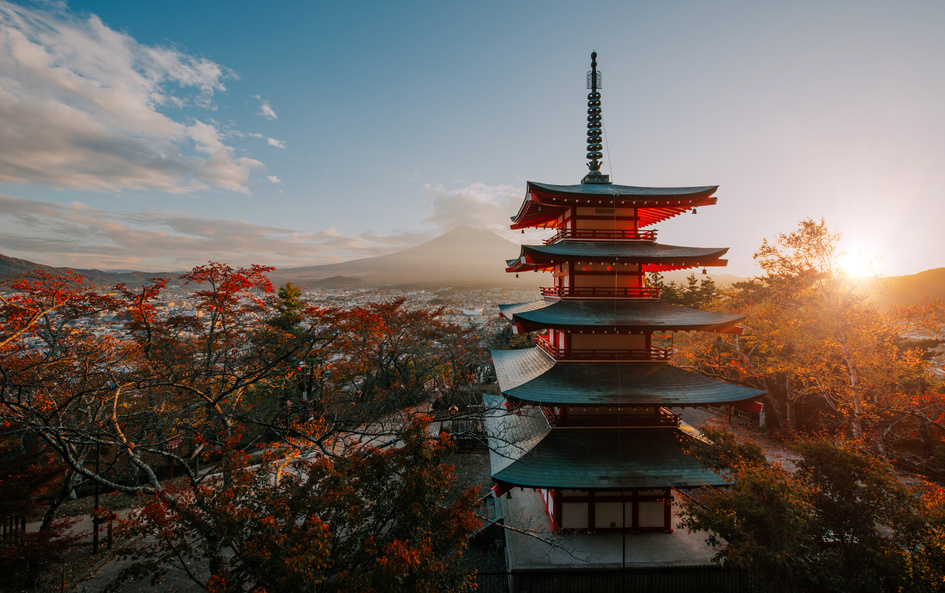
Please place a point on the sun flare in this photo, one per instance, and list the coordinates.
(859, 263)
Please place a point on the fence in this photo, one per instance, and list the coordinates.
(662, 579)
(12, 527)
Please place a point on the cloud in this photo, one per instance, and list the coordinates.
(83, 106)
(478, 205)
(265, 109)
(276, 143)
(274, 179)
(155, 240)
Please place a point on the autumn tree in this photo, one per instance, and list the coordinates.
(123, 404)
(390, 353)
(812, 336)
(371, 520)
(28, 473)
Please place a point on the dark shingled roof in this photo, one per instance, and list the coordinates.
(622, 191)
(529, 375)
(585, 459)
(617, 251)
(532, 456)
(623, 314)
(545, 202)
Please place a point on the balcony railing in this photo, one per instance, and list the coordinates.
(612, 354)
(600, 292)
(602, 235)
(663, 417)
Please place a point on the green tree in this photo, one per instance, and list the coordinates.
(698, 293)
(289, 308)
(841, 522)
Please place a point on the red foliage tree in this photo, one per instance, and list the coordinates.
(118, 404)
(371, 520)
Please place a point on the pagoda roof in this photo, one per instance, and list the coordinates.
(530, 375)
(545, 202)
(525, 454)
(657, 256)
(624, 314)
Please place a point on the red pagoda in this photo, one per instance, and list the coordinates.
(590, 417)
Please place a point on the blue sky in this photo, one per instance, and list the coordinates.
(161, 135)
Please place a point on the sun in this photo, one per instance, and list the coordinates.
(859, 263)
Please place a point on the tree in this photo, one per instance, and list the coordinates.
(26, 474)
(389, 354)
(915, 409)
(120, 404)
(289, 308)
(701, 294)
(372, 520)
(841, 522)
(812, 337)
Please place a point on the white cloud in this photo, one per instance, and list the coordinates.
(265, 109)
(81, 107)
(154, 240)
(273, 179)
(276, 143)
(477, 205)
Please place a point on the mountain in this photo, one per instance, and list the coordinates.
(462, 257)
(905, 290)
(12, 267)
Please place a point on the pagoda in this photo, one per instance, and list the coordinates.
(591, 415)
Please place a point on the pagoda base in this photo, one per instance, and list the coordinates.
(605, 511)
(542, 548)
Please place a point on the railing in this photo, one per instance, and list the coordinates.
(601, 235)
(666, 579)
(663, 418)
(12, 528)
(650, 292)
(653, 353)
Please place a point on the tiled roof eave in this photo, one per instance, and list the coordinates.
(609, 459)
(530, 376)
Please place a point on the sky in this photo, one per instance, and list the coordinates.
(161, 135)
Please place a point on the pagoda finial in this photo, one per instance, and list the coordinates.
(594, 123)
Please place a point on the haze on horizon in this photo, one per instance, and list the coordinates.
(158, 136)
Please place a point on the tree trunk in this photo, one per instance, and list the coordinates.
(856, 422)
(926, 435)
(65, 491)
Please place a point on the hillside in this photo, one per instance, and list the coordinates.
(462, 257)
(904, 290)
(11, 267)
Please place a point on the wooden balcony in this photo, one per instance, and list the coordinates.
(600, 292)
(602, 235)
(602, 354)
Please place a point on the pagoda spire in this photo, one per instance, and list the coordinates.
(594, 126)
